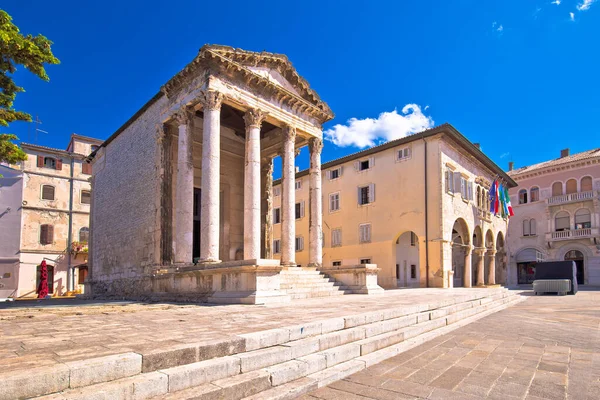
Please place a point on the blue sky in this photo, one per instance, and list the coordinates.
(518, 76)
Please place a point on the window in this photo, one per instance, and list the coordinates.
(299, 243)
(334, 202)
(571, 186)
(365, 261)
(334, 173)
(562, 221)
(586, 183)
(364, 233)
(46, 234)
(276, 246)
(336, 263)
(298, 184)
(86, 168)
(534, 194)
(47, 192)
(84, 234)
(413, 271)
(49, 162)
(583, 219)
(82, 274)
(413, 239)
(86, 197)
(523, 196)
(366, 194)
(557, 189)
(336, 237)
(277, 191)
(300, 210)
(364, 164)
(277, 215)
(403, 154)
(478, 197)
(449, 178)
(529, 227)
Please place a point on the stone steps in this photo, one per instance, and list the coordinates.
(279, 363)
(305, 283)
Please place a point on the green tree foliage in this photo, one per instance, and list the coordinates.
(32, 52)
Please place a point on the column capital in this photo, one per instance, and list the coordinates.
(315, 145)
(468, 249)
(479, 250)
(491, 253)
(254, 117)
(289, 132)
(183, 116)
(211, 99)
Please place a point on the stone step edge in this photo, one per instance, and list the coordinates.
(156, 379)
(160, 359)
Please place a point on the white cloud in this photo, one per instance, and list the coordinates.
(557, 2)
(572, 16)
(388, 126)
(504, 155)
(500, 28)
(585, 5)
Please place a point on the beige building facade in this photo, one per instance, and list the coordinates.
(55, 208)
(557, 207)
(417, 207)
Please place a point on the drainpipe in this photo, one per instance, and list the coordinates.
(70, 274)
(426, 222)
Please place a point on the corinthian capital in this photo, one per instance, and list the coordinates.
(254, 118)
(315, 145)
(183, 116)
(211, 99)
(289, 133)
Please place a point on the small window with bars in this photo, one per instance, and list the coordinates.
(366, 194)
(336, 263)
(365, 261)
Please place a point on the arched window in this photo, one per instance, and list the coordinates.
(478, 197)
(562, 221)
(534, 194)
(84, 234)
(571, 186)
(523, 196)
(529, 227)
(557, 189)
(586, 183)
(573, 255)
(47, 192)
(583, 219)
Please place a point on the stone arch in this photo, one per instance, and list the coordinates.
(557, 188)
(525, 259)
(460, 241)
(559, 220)
(582, 268)
(407, 258)
(586, 183)
(571, 186)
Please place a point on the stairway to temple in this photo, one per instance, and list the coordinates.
(305, 283)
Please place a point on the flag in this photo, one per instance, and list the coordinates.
(511, 213)
(497, 199)
(492, 196)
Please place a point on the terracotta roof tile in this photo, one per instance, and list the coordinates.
(558, 161)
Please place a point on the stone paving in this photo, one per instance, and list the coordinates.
(547, 347)
(45, 336)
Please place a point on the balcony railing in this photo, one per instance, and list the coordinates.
(572, 234)
(573, 197)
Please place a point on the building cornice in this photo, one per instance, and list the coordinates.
(554, 169)
(51, 150)
(65, 177)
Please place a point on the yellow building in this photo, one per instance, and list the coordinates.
(417, 207)
(55, 216)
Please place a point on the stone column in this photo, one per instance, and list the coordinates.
(267, 207)
(211, 169)
(480, 251)
(316, 206)
(253, 119)
(184, 193)
(467, 277)
(288, 198)
(491, 267)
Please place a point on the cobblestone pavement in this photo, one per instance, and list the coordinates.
(43, 336)
(547, 347)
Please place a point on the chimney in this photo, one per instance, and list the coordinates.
(477, 145)
(564, 153)
(297, 169)
(511, 165)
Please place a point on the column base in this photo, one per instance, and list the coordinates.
(207, 261)
(289, 264)
(315, 265)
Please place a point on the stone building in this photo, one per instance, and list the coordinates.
(54, 208)
(11, 196)
(557, 207)
(417, 207)
(188, 178)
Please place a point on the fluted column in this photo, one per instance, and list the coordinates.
(184, 193)
(480, 266)
(253, 119)
(211, 166)
(316, 206)
(491, 254)
(467, 277)
(288, 198)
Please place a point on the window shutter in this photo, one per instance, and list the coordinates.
(470, 188)
(371, 162)
(40, 161)
(44, 234)
(341, 170)
(86, 168)
(59, 164)
(526, 230)
(457, 178)
(302, 209)
(50, 234)
(358, 196)
(356, 165)
(371, 193)
(328, 174)
(368, 233)
(532, 227)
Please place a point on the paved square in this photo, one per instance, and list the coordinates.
(547, 347)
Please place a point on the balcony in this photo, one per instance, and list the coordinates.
(571, 198)
(584, 233)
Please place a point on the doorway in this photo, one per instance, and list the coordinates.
(577, 256)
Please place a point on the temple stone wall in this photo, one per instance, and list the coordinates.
(126, 205)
